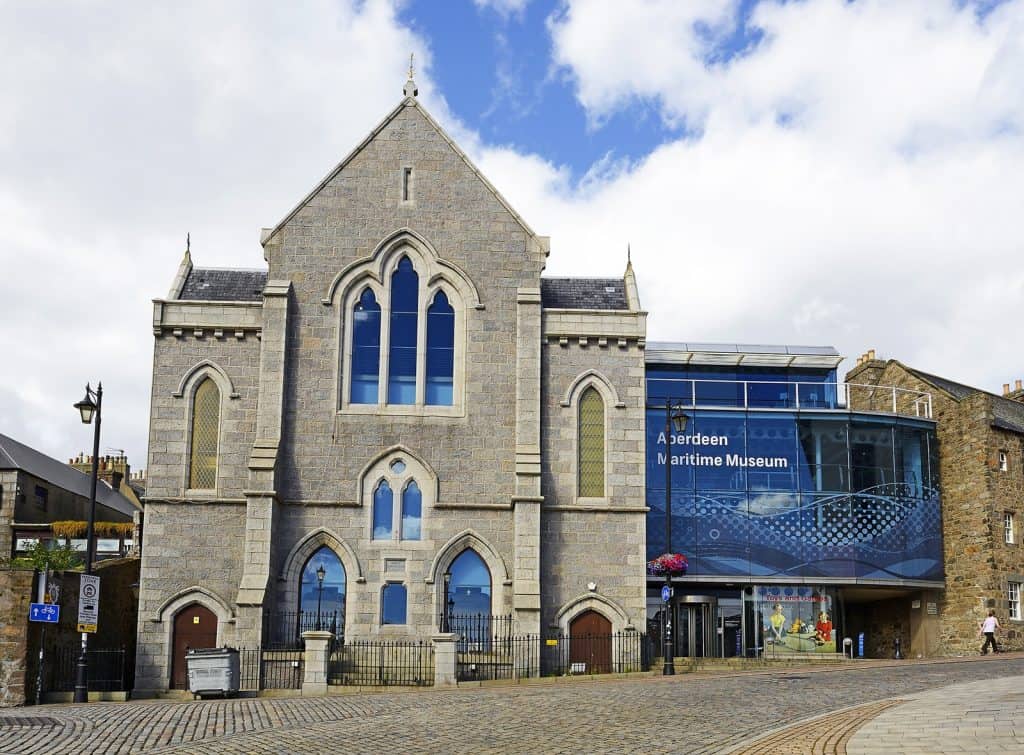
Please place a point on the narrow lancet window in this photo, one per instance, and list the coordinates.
(440, 351)
(205, 433)
(412, 511)
(365, 349)
(403, 333)
(591, 444)
(383, 503)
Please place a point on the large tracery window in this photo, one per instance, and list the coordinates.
(416, 354)
(591, 444)
(202, 468)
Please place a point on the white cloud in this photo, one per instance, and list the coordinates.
(503, 7)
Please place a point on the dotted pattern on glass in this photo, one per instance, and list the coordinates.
(205, 429)
(591, 444)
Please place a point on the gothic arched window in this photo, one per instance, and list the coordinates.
(202, 467)
(365, 357)
(403, 334)
(383, 508)
(327, 597)
(591, 444)
(412, 511)
(440, 351)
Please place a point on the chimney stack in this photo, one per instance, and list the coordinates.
(1006, 389)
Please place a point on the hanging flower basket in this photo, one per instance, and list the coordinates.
(672, 564)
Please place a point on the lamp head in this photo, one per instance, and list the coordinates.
(86, 407)
(679, 420)
(321, 572)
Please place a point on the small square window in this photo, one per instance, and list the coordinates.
(1013, 598)
(1004, 464)
(1009, 529)
(42, 497)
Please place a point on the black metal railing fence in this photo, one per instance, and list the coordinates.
(110, 670)
(271, 668)
(375, 663)
(283, 629)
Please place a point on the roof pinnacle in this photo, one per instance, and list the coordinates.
(410, 90)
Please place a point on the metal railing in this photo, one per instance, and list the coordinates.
(476, 629)
(376, 663)
(523, 656)
(766, 394)
(109, 670)
(283, 629)
(263, 668)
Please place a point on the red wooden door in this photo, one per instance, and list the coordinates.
(194, 627)
(590, 642)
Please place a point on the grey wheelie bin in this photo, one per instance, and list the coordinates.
(213, 671)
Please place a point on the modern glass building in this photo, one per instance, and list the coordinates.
(795, 513)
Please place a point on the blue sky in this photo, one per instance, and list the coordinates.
(815, 172)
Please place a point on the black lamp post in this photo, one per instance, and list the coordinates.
(446, 607)
(321, 572)
(88, 407)
(674, 419)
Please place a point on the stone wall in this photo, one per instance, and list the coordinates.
(15, 596)
(975, 494)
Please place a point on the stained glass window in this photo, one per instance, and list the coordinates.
(205, 431)
(591, 444)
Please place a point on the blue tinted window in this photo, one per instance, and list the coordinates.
(440, 351)
(772, 452)
(392, 604)
(402, 353)
(470, 585)
(332, 598)
(382, 511)
(412, 510)
(365, 349)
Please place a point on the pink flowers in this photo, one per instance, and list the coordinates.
(673, 564)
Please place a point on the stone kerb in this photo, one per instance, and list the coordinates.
(314, 681)
(444, 659)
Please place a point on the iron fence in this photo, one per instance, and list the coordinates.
(283, 629)
(477, 629)
(109, 670)
(270, 668)
(516, 657)
(374, 663)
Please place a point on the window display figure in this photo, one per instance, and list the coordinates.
(823, 629)
(778, 624)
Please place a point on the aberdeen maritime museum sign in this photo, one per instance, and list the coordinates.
(723, 459)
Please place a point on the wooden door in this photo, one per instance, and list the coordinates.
(194, 627)
(590, 642)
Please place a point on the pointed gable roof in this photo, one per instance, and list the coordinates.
(408, 101)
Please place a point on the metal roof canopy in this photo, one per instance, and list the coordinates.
(735, 354)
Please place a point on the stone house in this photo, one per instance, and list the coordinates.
(981, 448)
(400, 403)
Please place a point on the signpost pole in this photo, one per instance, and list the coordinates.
(82, 671)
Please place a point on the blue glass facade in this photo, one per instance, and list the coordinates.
(772, 479)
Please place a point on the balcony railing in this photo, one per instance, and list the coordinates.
(773, 394)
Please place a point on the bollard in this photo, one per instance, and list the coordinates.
(897, 651)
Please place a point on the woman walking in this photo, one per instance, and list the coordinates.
(989, 628)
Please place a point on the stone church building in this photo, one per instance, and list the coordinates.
(398, 416)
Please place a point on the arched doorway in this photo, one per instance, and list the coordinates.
(590, 643)
(194, 627)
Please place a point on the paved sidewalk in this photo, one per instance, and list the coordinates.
(979, 717)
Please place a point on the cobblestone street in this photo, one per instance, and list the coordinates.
(694, 713)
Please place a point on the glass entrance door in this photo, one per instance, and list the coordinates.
(695, 626)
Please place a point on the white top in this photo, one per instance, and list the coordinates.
(990, 624)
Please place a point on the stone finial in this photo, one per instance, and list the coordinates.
(410, 89)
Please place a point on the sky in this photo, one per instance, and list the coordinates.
(823, 172)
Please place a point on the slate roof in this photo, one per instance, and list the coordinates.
(218, 284)
(15, 455)
(583, 293)
(1007, 414)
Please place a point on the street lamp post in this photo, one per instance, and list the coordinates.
(321, 572)
(674, 418)
(446, 611)
(88, 407)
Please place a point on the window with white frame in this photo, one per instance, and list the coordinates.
(1009, 532)
(1013, 599)
(1004, 463)
(402, 342)
(397, 505)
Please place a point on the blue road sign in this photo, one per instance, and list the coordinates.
(666, 593)
(44, 612)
